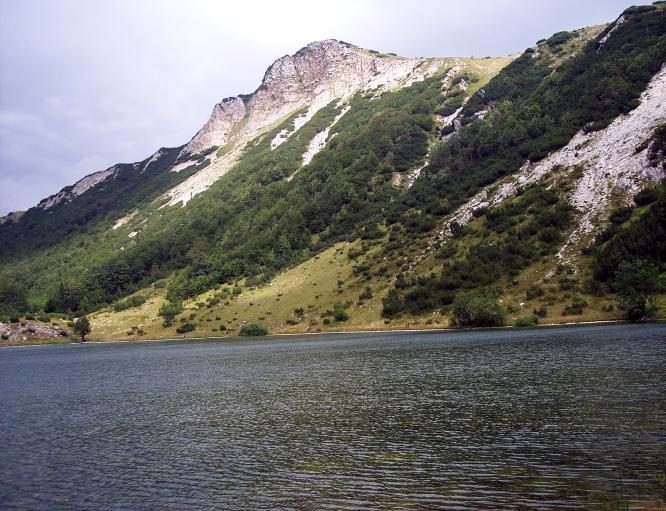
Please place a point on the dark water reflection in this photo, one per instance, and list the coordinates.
(556, 418)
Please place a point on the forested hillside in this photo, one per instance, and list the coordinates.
(387, 170)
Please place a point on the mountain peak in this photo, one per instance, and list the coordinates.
(321, 71)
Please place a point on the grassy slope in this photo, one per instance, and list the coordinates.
(313, 286)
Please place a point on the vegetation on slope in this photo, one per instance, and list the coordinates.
(128, 188)
(630, 256)
(513, 236)
(254, 222)
(531, 116)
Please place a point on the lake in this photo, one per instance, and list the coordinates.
(547, 419)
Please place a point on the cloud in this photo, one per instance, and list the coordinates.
(84, 85)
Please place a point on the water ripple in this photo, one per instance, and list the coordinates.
(548, 419)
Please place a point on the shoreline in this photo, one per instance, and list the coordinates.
(572, 324)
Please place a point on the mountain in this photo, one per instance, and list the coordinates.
(358, 189)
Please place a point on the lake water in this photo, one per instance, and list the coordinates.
(550, 418)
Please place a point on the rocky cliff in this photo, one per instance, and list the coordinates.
(311, 78)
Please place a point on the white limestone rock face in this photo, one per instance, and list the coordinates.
(68, 193)
(314, 76)
(318, 142)
(216, 131)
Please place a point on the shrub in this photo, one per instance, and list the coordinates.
(575, 308)
(366, 295)
(129, 302)
(534, 292)
(339, 312)
(327, 321)
(253, 330)
(620, 215)
(646, 196)
(634, 282)
(392, 304)
(542, 312)
(169, 310)
(185, 327)
(526, 321)
(474, 310)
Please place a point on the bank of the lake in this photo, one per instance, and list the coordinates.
(236, 336)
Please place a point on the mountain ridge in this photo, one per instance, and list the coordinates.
(282, 78)
(421, 182)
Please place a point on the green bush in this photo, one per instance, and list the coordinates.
(646, 196)
(129, 302)
(339, 312)
(253, 330)
(534, 292)
(476, 310)
(575, 308)
(541, 312)
(526, 321)
(392, 304)
(185, 327)
(366, 295)
(169, 311)
(635, 282)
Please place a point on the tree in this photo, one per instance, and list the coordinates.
(169, 311)
(82, 327)
(635, 281)
(13, 297)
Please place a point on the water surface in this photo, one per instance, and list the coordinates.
(552, 418)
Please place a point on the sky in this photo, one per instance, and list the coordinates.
(86, 84)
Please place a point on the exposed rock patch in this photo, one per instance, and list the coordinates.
(70, 192)
(123, 220)
(318, 142)
(607, 159)
(17, 333)
(313, 77)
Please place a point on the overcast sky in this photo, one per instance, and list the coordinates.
(85, 84)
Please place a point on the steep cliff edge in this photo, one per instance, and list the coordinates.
(314, 76)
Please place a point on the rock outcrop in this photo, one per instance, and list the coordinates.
(602, 165)
(69, 192)
(311, 78)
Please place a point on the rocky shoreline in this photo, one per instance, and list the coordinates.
(31, 331)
